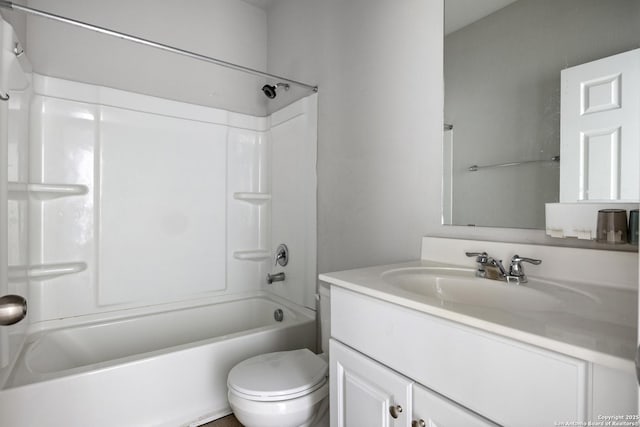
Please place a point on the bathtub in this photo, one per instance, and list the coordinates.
(147, 369)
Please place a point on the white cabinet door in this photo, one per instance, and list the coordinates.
(433, 410)
(366, 393)
(600, 130)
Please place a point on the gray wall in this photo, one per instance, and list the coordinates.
(502, 93)
(379, 67)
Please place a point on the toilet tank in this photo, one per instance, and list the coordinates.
(324, 317)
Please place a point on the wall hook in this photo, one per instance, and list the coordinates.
(4, 97)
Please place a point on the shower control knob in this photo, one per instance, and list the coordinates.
(418, 423)
(282, 255)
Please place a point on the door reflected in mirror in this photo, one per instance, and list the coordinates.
(502, 66)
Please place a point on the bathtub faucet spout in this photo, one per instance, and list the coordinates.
(278, 277)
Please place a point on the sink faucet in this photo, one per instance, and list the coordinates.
(491, 268)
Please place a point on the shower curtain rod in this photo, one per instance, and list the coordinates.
(150, 43)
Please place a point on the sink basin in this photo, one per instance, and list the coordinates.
(460, 286)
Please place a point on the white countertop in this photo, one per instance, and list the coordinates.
(600, 328)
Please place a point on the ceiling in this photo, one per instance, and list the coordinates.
(460, 13)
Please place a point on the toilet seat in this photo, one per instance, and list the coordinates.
(278, 376)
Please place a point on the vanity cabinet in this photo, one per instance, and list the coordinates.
(384, 354)
(367, 393)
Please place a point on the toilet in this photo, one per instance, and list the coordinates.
(285, 388)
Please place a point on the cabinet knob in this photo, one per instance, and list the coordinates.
(395, 411)
(418, 423)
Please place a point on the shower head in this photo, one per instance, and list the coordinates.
(270, 90)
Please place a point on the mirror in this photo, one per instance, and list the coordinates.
(502, 63)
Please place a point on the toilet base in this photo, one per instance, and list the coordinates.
(322, 417)
(305, 411)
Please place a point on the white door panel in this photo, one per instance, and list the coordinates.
(600, 130)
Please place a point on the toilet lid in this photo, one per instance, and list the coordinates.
(276, 376)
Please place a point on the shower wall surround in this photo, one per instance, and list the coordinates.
(147, 201)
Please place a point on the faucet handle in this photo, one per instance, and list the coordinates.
(517, 270)
(282, 255)
(481, 257)
(517, 259)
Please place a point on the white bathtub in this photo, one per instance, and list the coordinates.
(150, 369)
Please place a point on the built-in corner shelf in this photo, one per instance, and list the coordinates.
(18, 190)
(45, 271)
(252, 255)
(252, 197)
